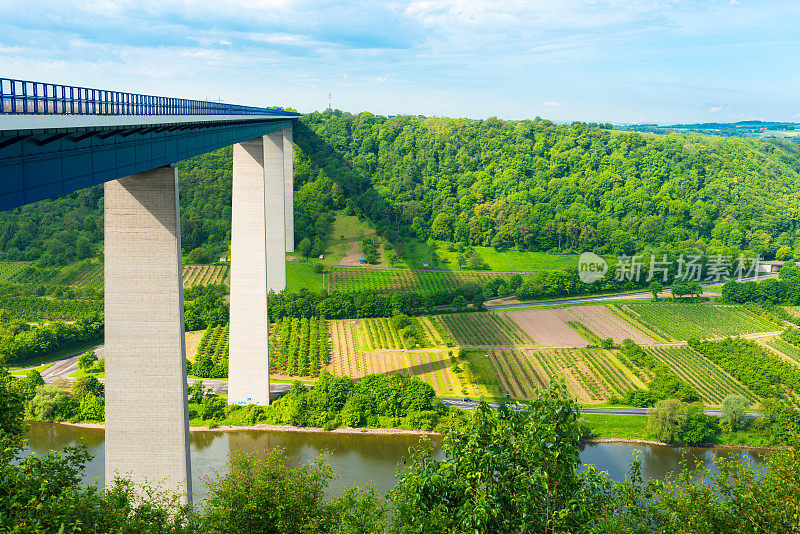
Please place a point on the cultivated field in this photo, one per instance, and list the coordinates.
(484, 330)
(591, 375)
(604, 323)
(548, 328)
(439, 368)
(788, 351)
(8, 270)
(203, 275)
(712, 383)
(89, 278)
(370, 278)
(677, 321)
(214, 343)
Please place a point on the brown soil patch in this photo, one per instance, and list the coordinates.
(352, 257)
(192, 342)
(548, 327)
(604, 323)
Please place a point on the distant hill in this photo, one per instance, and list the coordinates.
(529, 185)
(789, 131)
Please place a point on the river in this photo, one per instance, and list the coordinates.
(356, 458)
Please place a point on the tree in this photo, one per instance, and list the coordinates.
(304, 247)
(666, 421)
(87, 360)
(262, 494)
(529, 483)
(86, 385)
(655, 289)
(734, 407)
(11, 408)
(319, 268)
(459, 302)
(199, 255)
(680, 288)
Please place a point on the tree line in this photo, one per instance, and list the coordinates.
(499, 471)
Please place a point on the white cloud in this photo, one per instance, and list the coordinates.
(552, 104)
(715, 109)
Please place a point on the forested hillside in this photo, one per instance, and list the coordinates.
(531, 185)
(536, 185)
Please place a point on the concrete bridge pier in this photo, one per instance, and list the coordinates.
(288, 180)
(147, 431)
(258, 260)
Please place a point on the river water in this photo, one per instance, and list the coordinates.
(356, 458)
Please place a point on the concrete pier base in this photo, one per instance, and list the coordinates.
(147, 431)
(248, 353)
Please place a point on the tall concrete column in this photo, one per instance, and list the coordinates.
(248, 353)
(288, 180)
(147, 429)
(275, 200)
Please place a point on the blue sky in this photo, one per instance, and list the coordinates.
(593, 60)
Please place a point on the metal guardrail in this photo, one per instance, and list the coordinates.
(19, 97)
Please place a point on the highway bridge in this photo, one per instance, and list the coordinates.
(57, 139)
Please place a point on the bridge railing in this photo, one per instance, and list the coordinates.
(19, 97)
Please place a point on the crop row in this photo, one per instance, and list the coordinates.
(360, 279)
(89, 278)
(346, 361)
(590, 374)
(299, 347)
(763, 372)
(35, 309)
(712, 383)
(681, 321)
(483, 329)
(8, 270)
(211, 358)
(203, 275)
(787, 349)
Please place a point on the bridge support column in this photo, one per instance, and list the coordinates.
(275, 202)
(147, 430)
(288, 180)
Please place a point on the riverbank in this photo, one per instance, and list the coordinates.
(283, 428)
(409, 432)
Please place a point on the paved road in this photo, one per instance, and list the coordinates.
(470, 404)
(600, 298)
(64, 366)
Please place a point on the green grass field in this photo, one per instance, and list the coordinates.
(680, 321)
(302, 275)
(615, 426)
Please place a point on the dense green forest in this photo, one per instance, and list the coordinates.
(530, 185)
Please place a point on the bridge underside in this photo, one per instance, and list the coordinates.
(70, 153)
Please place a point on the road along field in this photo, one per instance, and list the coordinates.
(680, 321)
(203, 275)
(712, 383)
